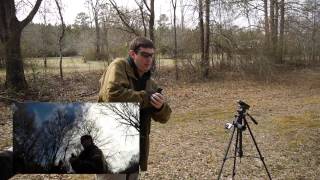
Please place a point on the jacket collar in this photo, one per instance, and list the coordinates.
(93, 146)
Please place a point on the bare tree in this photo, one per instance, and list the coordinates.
(106, 16)
(174, 6)
(205, 72)
(124, 19)
(95, 6)
(54, 131)
(62, 31)
(182, 11)
(2, 56)
(44, 34)
(10, 35)
(266, 24)
(274, 27)
(315, 28)
(25, 135)
(150, 8)
(127, 114)
(181, 34)
(281, 35)
(201, 28)
(141, 8)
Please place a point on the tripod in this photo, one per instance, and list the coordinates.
(240, 124)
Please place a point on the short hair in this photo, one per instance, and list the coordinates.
(86, 137)
(138, 42)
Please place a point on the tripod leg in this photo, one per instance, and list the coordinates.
(235, 154)
(226, 153)
(255, 143)
(240, 144)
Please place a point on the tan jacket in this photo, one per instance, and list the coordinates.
(116, 85)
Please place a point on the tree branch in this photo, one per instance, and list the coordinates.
(122, 18)
(142, 16)
(146, 4)
(29, 18)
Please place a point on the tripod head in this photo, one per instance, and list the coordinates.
(241, 116)
(243, 107)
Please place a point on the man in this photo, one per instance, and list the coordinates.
(128, 80)
(90, 160)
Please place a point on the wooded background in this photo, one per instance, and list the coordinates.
(276, 34)
(209, 55)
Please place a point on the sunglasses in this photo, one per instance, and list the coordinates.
(145, 54)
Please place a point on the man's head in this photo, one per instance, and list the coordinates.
(141, 50)
(86, 141)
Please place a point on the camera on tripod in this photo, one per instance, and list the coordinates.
(242, 112)
(244, 106)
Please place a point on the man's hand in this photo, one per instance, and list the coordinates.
(157, 100)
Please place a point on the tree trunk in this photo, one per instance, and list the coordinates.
(45, 61)
(61, 37)
(274, 25)
(182, 14)
(314, 32)
(266, 24)
(276, 21)
(182, 26)
(151, 21)
(201, 27)
(106, 41)
(10, 36)
(205, 72)
(98, 49)
(281, 35)
(271, 21)
(212, 57)
(174, 5)
(15, 77)
(151, 31)
(44, 36)
(140, 5)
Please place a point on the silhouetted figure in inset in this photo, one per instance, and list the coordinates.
(90, 160)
